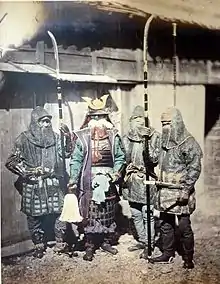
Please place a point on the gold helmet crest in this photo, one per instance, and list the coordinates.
(97, 106)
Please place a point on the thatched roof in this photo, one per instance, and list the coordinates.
(205, 13)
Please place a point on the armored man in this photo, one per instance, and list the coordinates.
(95, 169)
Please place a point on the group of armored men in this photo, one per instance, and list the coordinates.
(101, 163)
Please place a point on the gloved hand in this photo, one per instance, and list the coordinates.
(65, 130)
(144, 131)
(38, 171)
(114, 177)
(184, 197)
(71, 186)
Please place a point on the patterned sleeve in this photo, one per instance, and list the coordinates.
(192, 155)
(154, 147)
(15, 162)
(119, 158)
(127, 148)
(67, 153)
(76, 162)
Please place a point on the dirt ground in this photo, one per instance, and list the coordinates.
(125, 267)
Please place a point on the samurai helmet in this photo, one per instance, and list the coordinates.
(97, 106)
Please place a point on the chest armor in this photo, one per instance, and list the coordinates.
(101, 153)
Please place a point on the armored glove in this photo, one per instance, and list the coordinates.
(71, 187)
(114, 177)
(144, 131)
(65, 130)
(184, 197)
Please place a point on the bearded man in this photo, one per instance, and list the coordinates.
(95, 168)
(135, 192)
(36, 159)
(179, 164)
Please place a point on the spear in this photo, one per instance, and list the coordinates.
(3, 17)
(174, 63)
(146, 152)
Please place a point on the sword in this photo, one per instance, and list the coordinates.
(163, 184)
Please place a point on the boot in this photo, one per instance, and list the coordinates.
(60, 248)
(188, 265)
(38, 240)
(107, 247)
(89, 255)
(163, 258)
(138, 246)
(39, 250)
(144, 253)
(188, 262)
(70, 251)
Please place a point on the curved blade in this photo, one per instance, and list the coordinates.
(146, 29)
(55, 47)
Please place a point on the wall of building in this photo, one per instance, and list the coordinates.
(212, 155)
(15, 117)
(17, 103)
(12, 123)
(191, 102)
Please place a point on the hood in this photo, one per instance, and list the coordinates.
(178, 132)
(35, 134)
(38, 113)
(137, 129)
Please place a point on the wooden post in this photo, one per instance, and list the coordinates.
(40, 57)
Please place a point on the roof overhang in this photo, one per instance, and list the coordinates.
(203, 13)
(85, 78)
(43, 69)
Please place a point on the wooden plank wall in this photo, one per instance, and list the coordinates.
(20, 101)
(12, 122)
(123, 65)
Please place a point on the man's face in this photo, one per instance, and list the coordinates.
(44, 122)
(97, 117)
(166, 124)
(138, 121)
(99, 121)
(166, 131)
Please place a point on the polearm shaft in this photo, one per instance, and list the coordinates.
(60, 101)
(174, 64)
(146, 158)
(3, 17)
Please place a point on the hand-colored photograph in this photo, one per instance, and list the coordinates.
(110, 142)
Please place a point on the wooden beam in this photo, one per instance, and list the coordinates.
(40, 52)
(20, 56)
(71, 63)
(123, 66)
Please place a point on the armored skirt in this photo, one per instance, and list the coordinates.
(101, 214)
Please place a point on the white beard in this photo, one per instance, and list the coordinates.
(100, 123)
(166, 131)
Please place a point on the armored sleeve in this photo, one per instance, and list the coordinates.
(76, 162)
(154, 146)
(67, 148)
(119, 155)
(192, 155)
(15, 162)
(127, 148)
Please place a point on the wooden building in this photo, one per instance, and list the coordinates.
(101, 52)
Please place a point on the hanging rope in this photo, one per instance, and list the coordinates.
(174, 63)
